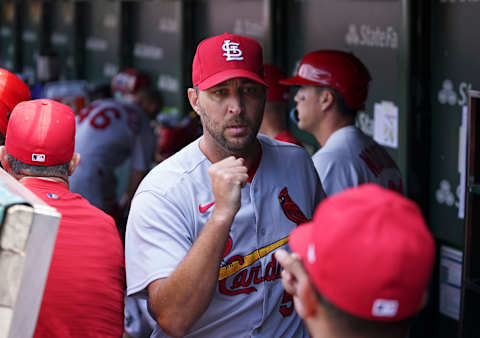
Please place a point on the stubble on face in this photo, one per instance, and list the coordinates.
(217, 131)
(222, 132)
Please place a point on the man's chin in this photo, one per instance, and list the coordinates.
(239, 144)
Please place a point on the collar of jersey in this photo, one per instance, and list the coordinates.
(45, 184)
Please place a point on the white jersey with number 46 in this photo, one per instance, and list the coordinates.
(108, 132)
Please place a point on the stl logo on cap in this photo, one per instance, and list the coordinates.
(232, 52)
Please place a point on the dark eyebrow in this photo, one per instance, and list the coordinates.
(225, 83)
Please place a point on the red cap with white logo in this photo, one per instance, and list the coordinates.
(41, 132)
(369, 252)
(339, 70)
(12, 91)
(225, 57)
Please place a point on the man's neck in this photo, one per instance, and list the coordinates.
(216, 153)
(327, 128)
(47, 178)
(273, 123)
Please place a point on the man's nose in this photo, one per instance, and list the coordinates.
(236, 103)
(296, 98)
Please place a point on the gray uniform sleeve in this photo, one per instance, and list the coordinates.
(158, 237)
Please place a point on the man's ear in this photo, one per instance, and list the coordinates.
(306, 300)
(73, 163)
(193, 98)
(326, 99)
(4, 158)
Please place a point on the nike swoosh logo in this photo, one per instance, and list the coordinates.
(204, 208)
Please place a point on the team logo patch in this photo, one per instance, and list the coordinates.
(232, 52)
(290, 208)
(385, 308)
(38, 157)
(52, 196)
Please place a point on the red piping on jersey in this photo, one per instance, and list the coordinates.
(251, 172)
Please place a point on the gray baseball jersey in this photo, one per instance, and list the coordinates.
(350, 158)
(170, 209)
(108, 132)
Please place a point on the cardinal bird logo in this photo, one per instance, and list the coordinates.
(290, 208)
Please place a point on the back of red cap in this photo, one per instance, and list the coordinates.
(369, 252)
(41, 132)
(12, 91)
(276, 91)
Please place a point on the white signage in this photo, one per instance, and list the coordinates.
(444, 194)
(96, 44)
(450, 281)
(167, 83)
(5, 32)
(110, 21)
(462, 162)
(168, 25)
(457, 1)
(365, 35)
(29, 36)
(145, 51)
(110, 69)
(448, 95)
(247, 27)
(385, 130)
(59, 39)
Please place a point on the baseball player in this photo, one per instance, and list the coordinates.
(274, 123)
(361, 271)
(12, 91)
(108, 132)
(83, 294)
(204, 224)
(333, 86)
(174, 136)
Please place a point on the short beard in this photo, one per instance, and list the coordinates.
(220, 138)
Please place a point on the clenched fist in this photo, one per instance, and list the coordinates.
(227, 178)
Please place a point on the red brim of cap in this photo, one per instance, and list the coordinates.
(299, 240)
(229, 74)
(298, 81)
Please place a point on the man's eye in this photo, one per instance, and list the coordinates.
(220, 92)
(251, 90)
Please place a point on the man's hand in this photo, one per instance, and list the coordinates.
(294, 279)
(227, 178)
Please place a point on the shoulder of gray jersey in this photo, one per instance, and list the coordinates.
(167, 174)
(293, 149)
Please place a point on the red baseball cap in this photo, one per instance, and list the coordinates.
(129, 81)
(41, 132)
(276, 91)
(224, 57)
(339, 70)
(12, 91)
(369, 252)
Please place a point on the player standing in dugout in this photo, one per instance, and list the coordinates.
(205, 223)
